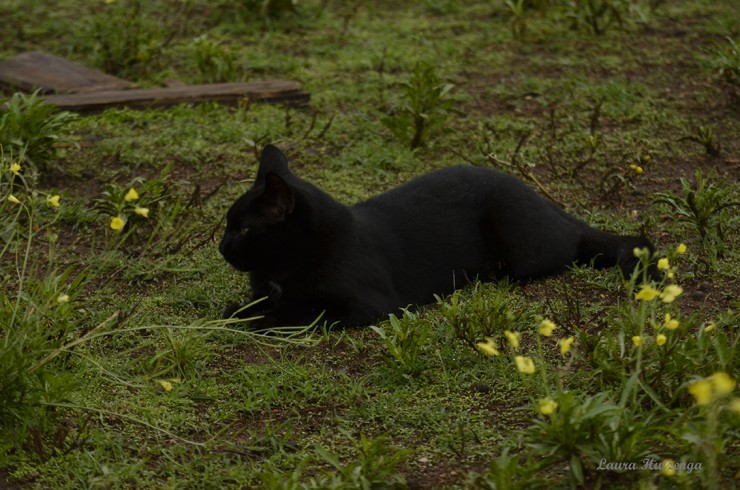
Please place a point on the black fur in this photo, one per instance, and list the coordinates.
(309, 254)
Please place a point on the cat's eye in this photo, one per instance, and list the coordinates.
(244, 231)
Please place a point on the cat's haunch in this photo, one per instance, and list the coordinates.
(308, 254)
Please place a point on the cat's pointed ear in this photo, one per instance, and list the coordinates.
(278, 199)
(272, 160)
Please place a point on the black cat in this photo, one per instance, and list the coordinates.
(309, 254)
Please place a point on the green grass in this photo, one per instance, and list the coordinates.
(117, 373)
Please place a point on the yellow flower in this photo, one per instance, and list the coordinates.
(546, 327)
(670, 293)
(513, 338)
(15, 168)
(681, 249)
(142, 211)
(647, 293)
(663, 264)
(668, 467)
(722, 383)
(53, 200)
(488, 347)
(13, 199)
(735, 405)
(565, 345)
(131, 195)
(710, 327)
(524, 364)
(637, 340)
(117, 223)
(547, 406)
(166, 385)
(63, 298)
(660, 339)
(701, 391)
(717, 385)
(670, 323)
(636, 168)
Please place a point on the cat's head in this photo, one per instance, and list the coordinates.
(263, 221)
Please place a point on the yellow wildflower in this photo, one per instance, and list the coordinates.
(670, 323)
(647, 293)
(670, 293)
(142, 211)
(488, 347)
(513, 338)
(131, 195)
(547, 406)
(53, 200)
(546, 327)
(681, 249)
(117, 223)
(637, 340)
(524, 364)
(710, 327)
(565, 345)
(717, 385)
(63, 298)
(668, 467)
(701, 391)
(636, 168)
(660, 339)
(722, 383)
(166, 385)
(13, 199)
(663, 264)
(15, 168)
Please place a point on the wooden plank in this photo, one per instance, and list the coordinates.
(35, 70)
(272, 91)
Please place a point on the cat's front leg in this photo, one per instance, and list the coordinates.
(266, 297)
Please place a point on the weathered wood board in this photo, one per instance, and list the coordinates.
(51, 74)
(78, 88)
(284, 91)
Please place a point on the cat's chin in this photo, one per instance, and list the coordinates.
(238, 265)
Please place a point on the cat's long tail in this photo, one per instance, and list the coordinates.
(603, 249)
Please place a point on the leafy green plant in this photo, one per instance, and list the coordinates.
(215, 62)
(425, 104)
(127, 38)
(375, 466)
(405, 339)
(31, 129)
(482, 312)
(596, 16)
(146, 210)
(518, 21)
(705, 136)
(506, 472)
(706, 205)
(571, 433)
(725, 62)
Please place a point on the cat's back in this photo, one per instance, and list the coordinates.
(460, 184)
